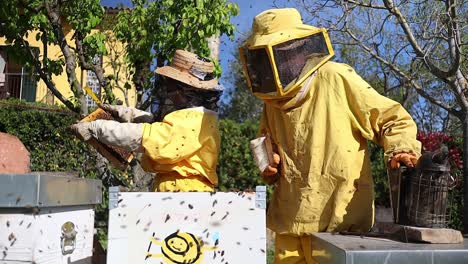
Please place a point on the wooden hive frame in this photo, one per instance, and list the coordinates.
(118, 157)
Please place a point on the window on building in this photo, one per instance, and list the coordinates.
(15, 80)
(93, 83)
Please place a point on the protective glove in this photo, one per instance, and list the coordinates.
(272, 170)
(127, 114)
(409, 159)
(125, 135)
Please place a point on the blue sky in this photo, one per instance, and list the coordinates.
(243, 23)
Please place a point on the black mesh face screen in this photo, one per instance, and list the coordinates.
(260, 71)
(291, 56)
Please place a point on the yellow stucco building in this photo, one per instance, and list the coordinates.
(17, 82)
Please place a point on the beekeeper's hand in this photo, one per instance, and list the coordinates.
(272, 169)
(125, 135)
(82, 130)
(127, 114)
(409, 159)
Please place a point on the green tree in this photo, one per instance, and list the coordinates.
(242, 105)
(50, 21)
(236, 166)
(153, 30)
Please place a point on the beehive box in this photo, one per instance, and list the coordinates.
(47, 218)
(190, 228)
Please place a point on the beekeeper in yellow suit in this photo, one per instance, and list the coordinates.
(320, 115)
(183, 148)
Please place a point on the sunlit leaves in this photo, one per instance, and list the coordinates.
(236, 166)
(95, 44)
(55, 67)
(153, 30)
(54, 24)
(83, 15)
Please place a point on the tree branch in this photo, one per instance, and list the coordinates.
(45, 77)
(453, 36)
(389, 4)
(97, 69)
(407, 77)
(368, 5)
(70, 65)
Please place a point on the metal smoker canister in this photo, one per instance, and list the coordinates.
(419, 196)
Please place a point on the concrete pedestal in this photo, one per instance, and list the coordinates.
(340, 249)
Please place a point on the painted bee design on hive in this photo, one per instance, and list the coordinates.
(179, 248)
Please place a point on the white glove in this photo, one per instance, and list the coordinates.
(125, 135)
(128, 114)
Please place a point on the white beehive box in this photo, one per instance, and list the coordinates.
(45, 218)
(190, 228)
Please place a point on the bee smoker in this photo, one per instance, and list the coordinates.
(419, 196)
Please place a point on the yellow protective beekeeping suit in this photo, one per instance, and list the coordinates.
(183, 150)
(321, 134)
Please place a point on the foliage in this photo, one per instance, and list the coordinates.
(237, 169)
(44, 135)
(153, 30)
(50, 21)
(434, 140)
(270, 256)
(242, 104)
(379, 173)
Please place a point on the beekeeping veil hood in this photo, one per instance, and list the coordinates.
(282, 52)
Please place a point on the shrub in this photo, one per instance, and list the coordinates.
(237, 169)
